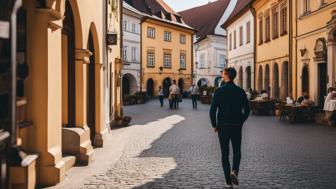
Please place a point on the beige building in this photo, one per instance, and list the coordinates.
(273, 69)
(63, 70)
(315, 47)
(166, 48)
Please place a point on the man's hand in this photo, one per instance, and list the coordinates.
(216, 129)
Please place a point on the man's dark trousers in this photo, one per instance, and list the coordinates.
(233, 134)
(194, 100)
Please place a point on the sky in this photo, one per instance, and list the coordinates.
(179, 5)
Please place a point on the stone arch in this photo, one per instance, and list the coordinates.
(77, 21)
(267, 79)
(166, 83)
(181, 84)
(130, 85)
(275, 85)
(305, 79)
(202, 82)
(218, 81)
(260, 79)
(150, 87)
(248, 74)
(240, 78)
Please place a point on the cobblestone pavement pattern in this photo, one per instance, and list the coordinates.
(178, 149)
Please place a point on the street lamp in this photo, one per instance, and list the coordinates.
(160, 70)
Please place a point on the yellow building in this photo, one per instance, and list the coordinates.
(62, 67)
(166, 48)
(273, 69)
(315, 47)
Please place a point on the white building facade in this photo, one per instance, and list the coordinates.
(241, 49)
(131, 49)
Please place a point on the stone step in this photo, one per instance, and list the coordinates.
(69, 162)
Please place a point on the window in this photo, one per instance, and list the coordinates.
(166, 60)
(261, 35)
(125, 25)
(230, 41)
(322, 2)
(167, 36)
(182, 39)
(248, 32)
(202, 61)
(241, 35)
(267, 28)
(305, 6)
(124, 50)
(275, 22)
(234, 39)
(133, 28)
(150, 59)
(134, 51)
(222, 61)
(151, 32)
(283, 21)
(183, 61)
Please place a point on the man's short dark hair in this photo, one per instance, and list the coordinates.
(231, 72)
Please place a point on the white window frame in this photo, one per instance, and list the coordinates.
(150, 59)
(183, 64)
(202, 61)
(125, 53)
(151, 32)
(167, 60)
(134, 51)
(167, 36)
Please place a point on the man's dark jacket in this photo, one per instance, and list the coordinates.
(232, 105)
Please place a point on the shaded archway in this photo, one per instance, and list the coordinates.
(202, 82)
(129, 85)
(91, 90)
(166, 85)
(181, 84)
(150, 87)
(218, 81)
(260, 79)
(248, 77)
(275, 85)
(284, 81)
(305, 79)
(68, 68)
(240, 79)
(267, 79)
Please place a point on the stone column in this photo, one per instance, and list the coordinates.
(43, 89)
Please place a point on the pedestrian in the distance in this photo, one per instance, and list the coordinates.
(161, 96)
(174, 91)
(229, 110)
(194, 92)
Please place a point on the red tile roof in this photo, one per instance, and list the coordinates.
(240, 8)
(205, 18)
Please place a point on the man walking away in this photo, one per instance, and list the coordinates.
(229, 110)
(174, 91)
(161, 96)
(194, 92)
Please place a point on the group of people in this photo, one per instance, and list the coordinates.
(175, 95)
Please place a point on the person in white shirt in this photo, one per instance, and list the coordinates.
(161, 96)
(174, 92)
(330, 107)
(194, 92)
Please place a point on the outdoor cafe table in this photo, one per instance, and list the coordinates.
(297, 113)
(262, 107)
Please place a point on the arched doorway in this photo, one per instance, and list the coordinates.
(166, 85)
(202, 82)
(240, 79)
(68, 68)
(129, 85)
(181, 84)
(267, 79)
(150, 87)
(91, 90)
(275, 81)
(305, 79)
(284, 81)
(260, 79)
(248, 78)
(218, 81)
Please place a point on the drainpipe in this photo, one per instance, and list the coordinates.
(253, 11)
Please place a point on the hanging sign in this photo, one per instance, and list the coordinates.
(4, 29)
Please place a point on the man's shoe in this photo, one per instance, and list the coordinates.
(234, 178)
(228, 186)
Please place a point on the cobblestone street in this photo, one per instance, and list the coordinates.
(178, 149)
